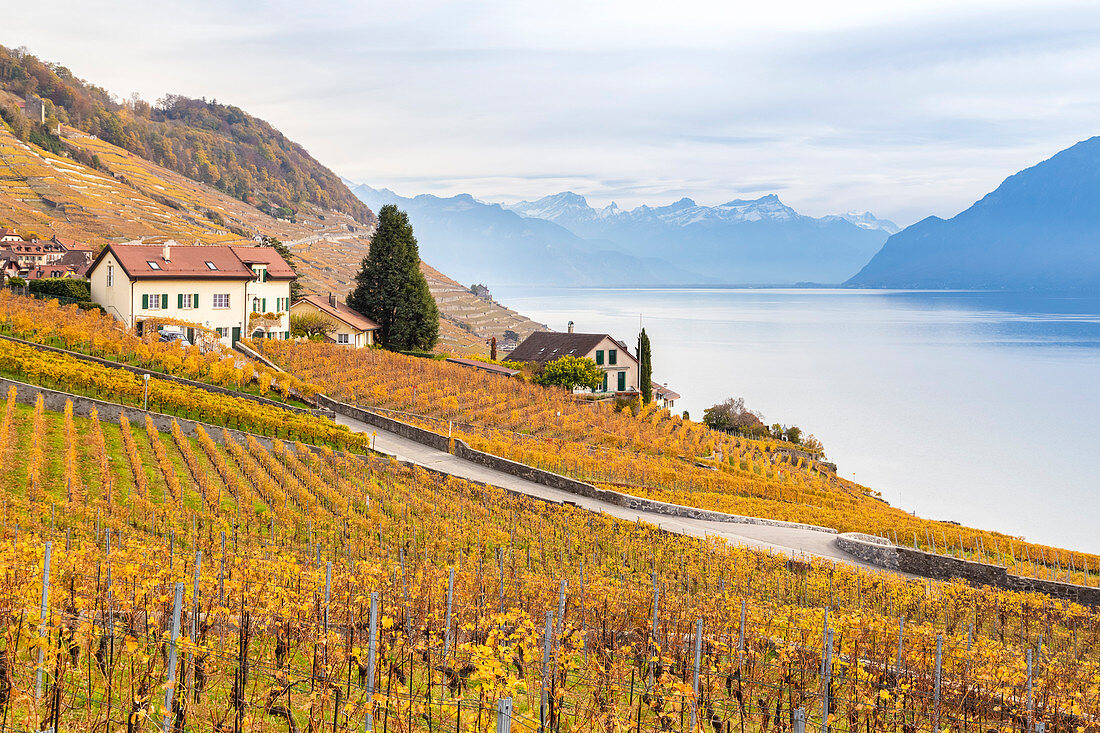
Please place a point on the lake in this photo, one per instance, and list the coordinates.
(977, 407)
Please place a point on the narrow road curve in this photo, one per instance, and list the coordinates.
(790, 541)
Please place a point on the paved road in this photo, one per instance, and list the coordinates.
(787, 540)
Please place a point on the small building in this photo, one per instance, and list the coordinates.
(665, 396)
(238, 291)
(352, 327)
(620, 368)
(53, 270)
(78, 250)
(7, 234)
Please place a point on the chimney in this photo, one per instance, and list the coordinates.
(166, 252)
(569, 327)
(332, 300)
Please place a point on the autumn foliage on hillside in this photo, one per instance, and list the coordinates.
(213, 143)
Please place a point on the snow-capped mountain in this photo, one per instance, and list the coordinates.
(474, 241)
(867, 220)
(743, 241)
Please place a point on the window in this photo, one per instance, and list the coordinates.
(110, 275)
(220, 300)
(612, 356)
(259, 305)
(154, 302)
(622, 382)
(211, 265)
(603, 387)
(261, 273)
(599, 356)
(221, 331)
(153, 265)
(188, 301)
(342, 338)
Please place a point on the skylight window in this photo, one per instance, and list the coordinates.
(153, 265)
(211, 265)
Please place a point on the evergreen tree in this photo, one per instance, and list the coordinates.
(645, 368)
(390, 288)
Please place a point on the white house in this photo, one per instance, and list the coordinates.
(620, 368)
(351, 327)
(227, 288)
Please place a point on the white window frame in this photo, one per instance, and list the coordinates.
(154, 302)
(189, 301)
(217, 298)
(342, 338)
(152, 265)
(110, 276)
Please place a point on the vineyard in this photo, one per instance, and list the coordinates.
(97, 334)
(654, 455)
(161, 581)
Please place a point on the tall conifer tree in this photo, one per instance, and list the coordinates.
(645, 368)
(390, 288)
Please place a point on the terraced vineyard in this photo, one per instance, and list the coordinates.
(655, 455)
(267, 562)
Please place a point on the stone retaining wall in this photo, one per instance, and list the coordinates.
(168, 377)
(546, 478)
(54, 401)
(943, 567)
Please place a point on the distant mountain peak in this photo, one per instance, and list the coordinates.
(1037, 230)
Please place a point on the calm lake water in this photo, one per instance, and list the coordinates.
(970, 406)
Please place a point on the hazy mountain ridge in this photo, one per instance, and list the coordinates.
(1040, 229)
(475, 241)
(743, 241)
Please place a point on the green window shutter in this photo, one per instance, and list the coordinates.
(599, 356)
(195, 302)
(164, 301)
(263, 304)
(612, 356)
(179, 301)
(622, 381)
(145, 301)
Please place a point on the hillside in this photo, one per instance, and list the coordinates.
(759, 242)
(475, 241)
(1039, 230)
(208, 142)
(128, 197)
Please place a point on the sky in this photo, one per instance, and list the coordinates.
(903, 108)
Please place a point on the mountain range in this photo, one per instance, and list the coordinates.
(1039, 230)
(473, 241)
(744, 241)
(562, 240)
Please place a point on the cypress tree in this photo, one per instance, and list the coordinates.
(391, 290)
(645, 368)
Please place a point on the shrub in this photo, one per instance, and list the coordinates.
(62, 287)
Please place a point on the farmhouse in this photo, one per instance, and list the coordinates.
(351, 328)
(620, 368)
(235, 290)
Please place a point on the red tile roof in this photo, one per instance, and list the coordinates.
(276, 266)
(183, 261)
(190, 261)
(339, 311)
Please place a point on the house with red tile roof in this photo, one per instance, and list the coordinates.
(620, 367)
(350, 327)
(238, 291)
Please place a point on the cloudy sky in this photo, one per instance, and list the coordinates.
(903, 107)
